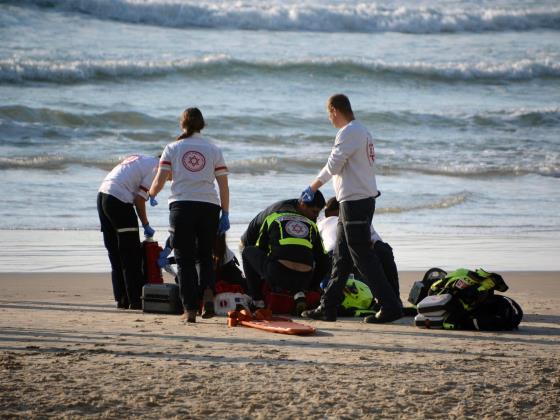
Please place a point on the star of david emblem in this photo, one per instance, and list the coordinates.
(297, 229)
(194, 161)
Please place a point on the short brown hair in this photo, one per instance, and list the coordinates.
(341, 103)
(332, 205)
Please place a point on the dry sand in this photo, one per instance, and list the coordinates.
(67, 352)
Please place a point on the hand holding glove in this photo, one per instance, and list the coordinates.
(307, 195)
(148, 231)
(223, 225)
(162, 259)
(153, 201)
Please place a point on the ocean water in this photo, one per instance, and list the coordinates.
(462, 97)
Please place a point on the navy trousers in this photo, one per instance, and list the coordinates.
(194, 227)
(119, 224)
(353, 250)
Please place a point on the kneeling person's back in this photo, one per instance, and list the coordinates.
(291, 237)
(289, 255)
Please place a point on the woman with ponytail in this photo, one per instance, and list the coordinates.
(193, 163)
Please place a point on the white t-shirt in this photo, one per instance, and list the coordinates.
(132, 177)
(327, 229)
(195, 162)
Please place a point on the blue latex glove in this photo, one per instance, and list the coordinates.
(148, 231)
(162, 259)
(223, 226)
(307, 195)
(153, 201)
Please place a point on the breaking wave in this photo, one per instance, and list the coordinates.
(56, 117)
(52, 162)
(295, 165)
(269, 164)
(319, 17)
(32, 70)
(48, 117)
(443, 203)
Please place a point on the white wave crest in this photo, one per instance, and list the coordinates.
(515, 70)
(299, 16)
(15, 70)
(444, 203)
(32, 162)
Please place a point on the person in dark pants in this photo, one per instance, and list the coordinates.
(351, 165)
(122, 191)
(193, 163)
(226, 264)
(328, 227)
(310, 210)
(289, 255)
(224, 260)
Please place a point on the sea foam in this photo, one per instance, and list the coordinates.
(15, 70)
(313, 16)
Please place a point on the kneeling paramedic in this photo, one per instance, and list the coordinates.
(289, 255)
(310, 210)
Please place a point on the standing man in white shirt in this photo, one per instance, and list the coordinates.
(351, 166)
(122, 191)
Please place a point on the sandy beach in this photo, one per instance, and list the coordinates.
(67, 352)
(461, 100)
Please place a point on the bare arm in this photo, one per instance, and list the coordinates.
(223, 186)
(159, 182)
(315, 185)
(140, 204)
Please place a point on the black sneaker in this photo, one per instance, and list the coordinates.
(189, 316)
(382, 317)
(208, 310)
(319, 313)
(409, 311)
(135, 305)
(122, 304)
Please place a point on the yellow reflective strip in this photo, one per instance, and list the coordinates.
(280, 229)
(263, 228)
(295, 241)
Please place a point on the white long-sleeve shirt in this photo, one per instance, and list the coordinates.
(351, 164)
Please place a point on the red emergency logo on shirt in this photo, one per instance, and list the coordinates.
(194, 161)
(370, 149)
(130, 159)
